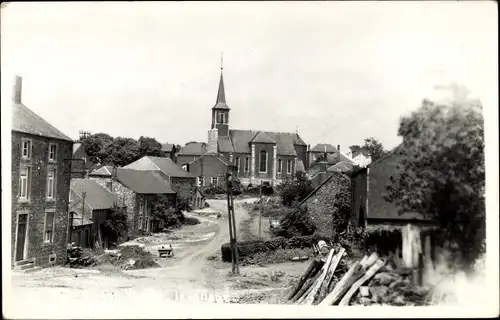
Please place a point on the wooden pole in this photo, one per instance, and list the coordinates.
(230, 221)
(260, 212)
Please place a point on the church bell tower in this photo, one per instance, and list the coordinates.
(220, 112)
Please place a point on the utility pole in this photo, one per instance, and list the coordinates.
(84, 195)
(232, 222)
(261, 208)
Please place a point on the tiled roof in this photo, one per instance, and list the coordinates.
(284, 141)
(144, 181)
(102, 171)
(262, 137)
(225, 144)
(165, 165)
(320, 147)
(167, 147)
(338, 157)
(25, 120)
(193, 149)
(342, 166)
(97, 197)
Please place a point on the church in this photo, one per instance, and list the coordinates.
(259, 156)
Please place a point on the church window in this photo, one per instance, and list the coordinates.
(263, 161)
(289, 166)
(280, 165)
(222, 117)
(247, 164)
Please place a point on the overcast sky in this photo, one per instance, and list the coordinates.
(340, 71)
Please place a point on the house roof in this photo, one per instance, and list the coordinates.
(165, 165)
(144, 181)
(26, 121)
(209, 154)
(342, 166)
(193, 149)
(102, 171)
(97, 197)
(324, 147)
(167, 147)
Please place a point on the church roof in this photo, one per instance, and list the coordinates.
(220, 103)
(193, 149)
(262, 137)
(225, 144)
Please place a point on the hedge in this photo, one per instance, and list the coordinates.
(249, 248)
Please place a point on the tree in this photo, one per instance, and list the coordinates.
(162, 209)
(295, 190)
(94, 145)
(442, 173)
(115, 225)
(120, 152)
(149, 147)
(374, 147)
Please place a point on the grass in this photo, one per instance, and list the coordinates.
(277, 256)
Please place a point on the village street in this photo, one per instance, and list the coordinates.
(196, 272)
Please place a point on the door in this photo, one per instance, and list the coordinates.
(22, 226)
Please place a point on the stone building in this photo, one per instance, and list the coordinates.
(258, 155)
(40, 187)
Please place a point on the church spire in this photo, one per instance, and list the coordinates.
(221, 95)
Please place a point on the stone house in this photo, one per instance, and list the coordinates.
(137, 191)
(181, 181)
(321, 200)
(90, 203)
(208, 168)
(40, 187)
(257, 155)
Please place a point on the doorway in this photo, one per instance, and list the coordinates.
(22, 228)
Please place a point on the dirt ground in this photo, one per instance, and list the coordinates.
(195, 273)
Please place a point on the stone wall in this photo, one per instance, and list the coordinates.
(38, 204)
(320, 204)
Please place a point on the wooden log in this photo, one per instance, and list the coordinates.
(304, 291)
(370, 260)
(310, 298)
(368, 274)
(329, 276)
(314, 265)
(344, 284)
(311, 278)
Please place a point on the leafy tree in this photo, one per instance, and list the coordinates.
(443, 174)
(295, 190)
(94, 145)
(374, 147)
(115, 225)
(149, 147)
(163, 209)
(120, 152)
(297, 222)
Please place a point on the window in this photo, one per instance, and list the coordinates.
(247, 164)
(263, 161)
(51, 182)
(48, 235)
(280, 165)
(26, 152)
(289, 166)
(52, 152)
(215, 181)
(185, 167)
(221, 117)
(24, 183)
(201, 181)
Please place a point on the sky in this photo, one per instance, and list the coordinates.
(338, 72)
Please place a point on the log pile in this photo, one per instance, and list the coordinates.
(370, 281)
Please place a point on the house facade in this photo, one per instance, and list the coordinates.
(258, 155)
(137, 191)
(41, 176)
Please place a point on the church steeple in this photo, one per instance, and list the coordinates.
(220, 112)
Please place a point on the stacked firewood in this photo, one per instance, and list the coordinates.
(319, 286)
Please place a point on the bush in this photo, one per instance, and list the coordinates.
(295, 190)
(250, 248)
(214, 190)
(78, 257)
(116, 226)
(297, 222)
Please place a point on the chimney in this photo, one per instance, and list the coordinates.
(213, 135)
(338, 147)
(17, 89)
